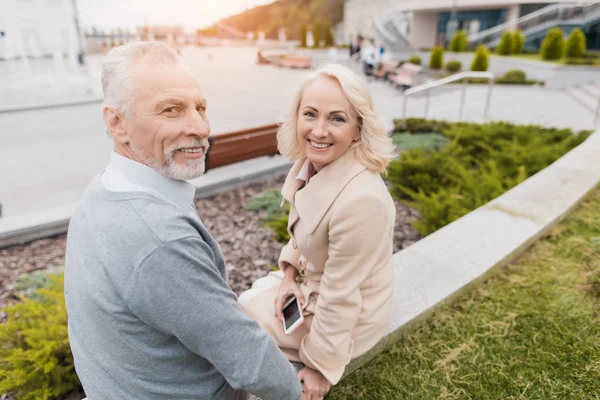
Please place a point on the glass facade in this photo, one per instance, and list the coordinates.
(472, 21)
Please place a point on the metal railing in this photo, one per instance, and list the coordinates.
(444, 81)
(577, 12)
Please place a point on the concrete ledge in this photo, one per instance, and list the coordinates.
(456, 258)
(41, 106)
(25, 228)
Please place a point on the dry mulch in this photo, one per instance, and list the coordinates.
(249, 248)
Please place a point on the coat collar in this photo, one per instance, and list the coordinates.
(315, 199)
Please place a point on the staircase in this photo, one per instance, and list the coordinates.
(389, 32)
(587, 95)
(535, 25)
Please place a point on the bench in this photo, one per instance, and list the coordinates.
(290, 61)
(231, 147)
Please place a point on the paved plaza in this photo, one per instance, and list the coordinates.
(49, 155)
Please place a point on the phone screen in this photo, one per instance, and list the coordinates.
(291, 313)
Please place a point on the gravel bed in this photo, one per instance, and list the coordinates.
(249, 248)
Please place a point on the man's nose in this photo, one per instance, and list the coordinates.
(197, 124)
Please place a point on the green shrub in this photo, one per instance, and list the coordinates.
(576, 44)
(480, 163)
(518, 42)
(515, 76)
(415, 60)
(35, 357)
(505, 47)
(459, 42)
(269, 201)
(279, 226)
(481, 61)
(553, 44)
(436, 61)
(453, 66)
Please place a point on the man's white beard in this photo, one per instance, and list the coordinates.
(170, 168)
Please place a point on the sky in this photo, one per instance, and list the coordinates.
(127, 14)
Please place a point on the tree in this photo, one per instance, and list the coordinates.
(303, 32)
(328, 34)
(553, 45)
(506, 44)
(317, 33)
(576, 44)
(481, 62)
(518, 42)
(459, 42)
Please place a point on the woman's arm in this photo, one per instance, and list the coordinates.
(289, 255)
(358, 237)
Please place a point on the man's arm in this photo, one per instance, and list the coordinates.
(178, 290)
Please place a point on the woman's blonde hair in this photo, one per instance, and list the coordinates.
(374, 150)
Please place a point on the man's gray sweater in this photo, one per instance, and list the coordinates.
(151, 315)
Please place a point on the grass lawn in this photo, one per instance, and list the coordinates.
(530, 332)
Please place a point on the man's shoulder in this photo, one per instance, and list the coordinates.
(130, 214)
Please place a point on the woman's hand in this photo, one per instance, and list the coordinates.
(288, 288)
(316, 386)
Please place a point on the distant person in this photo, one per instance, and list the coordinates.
(369, 56)
(338, 262)
(150, 313)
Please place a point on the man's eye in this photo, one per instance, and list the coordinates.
(170, 110)
(201, 109)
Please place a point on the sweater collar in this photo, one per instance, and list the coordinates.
(180, 192)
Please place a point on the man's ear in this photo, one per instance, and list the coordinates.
(115, 123)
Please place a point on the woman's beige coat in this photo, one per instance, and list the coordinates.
(341, 227)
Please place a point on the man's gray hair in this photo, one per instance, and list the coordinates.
(117, 68)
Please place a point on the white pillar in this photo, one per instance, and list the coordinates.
(512, 15)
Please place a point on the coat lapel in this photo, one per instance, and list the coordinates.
(315, 199)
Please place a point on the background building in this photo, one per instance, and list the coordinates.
(36, 28)
(405, 24)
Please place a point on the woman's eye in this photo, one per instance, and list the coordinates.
(339, 119)
(309, 114)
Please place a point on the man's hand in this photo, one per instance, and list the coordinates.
(288, 288)
(316, 386)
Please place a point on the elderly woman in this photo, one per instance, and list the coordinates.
(338, 259)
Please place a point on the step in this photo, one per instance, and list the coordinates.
(583, 98)
(592, 89)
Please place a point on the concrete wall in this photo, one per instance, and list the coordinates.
(359, 14)
(424, 29)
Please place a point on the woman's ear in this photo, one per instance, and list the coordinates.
(115, 124)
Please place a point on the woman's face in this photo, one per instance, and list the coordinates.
(325, 126)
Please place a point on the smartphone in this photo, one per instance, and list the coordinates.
(292, 315)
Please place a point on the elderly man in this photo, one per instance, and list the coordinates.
(150, 313)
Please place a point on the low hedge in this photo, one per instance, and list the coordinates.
(416, 60)
(481, 162)
(453, 66)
